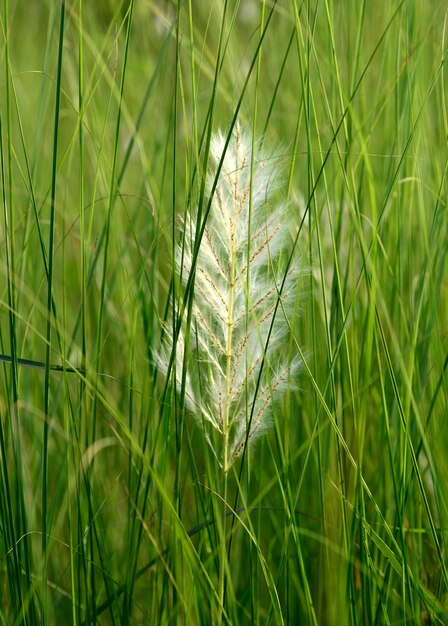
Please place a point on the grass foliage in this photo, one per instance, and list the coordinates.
(221, 220)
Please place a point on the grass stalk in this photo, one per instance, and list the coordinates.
(48, 333)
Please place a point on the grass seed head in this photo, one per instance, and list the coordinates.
(236, 361)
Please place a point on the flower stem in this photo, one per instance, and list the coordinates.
(227, 424)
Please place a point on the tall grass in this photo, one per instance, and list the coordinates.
(118, 505)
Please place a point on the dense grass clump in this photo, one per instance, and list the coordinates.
(220, 221)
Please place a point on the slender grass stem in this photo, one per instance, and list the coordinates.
(49, 321)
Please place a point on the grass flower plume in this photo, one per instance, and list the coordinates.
(232, 361)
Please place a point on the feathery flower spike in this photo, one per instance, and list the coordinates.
(232, 374)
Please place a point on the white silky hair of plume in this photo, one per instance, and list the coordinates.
(237, 359)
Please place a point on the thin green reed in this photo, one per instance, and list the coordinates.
(7, 507)
(17, 520)
(112, 193)
(49, 323)
(77, 557)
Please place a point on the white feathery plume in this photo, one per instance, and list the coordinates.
(235, 360)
